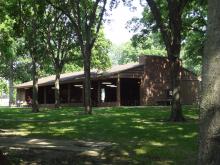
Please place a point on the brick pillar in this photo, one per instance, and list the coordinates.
(118, 91)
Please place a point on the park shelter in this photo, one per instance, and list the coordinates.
(144, 83)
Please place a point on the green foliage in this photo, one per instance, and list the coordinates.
(22, 69)
(15, 60)
(193, 51)
(22, 31)
(125, 53)
(8, 46)
(71, 67)
(130, 51)
(7, 42)
(141, 134)
(3, 87)
(32, 13)
(194, 30)
(194, 20)
(59, 37)
(100, 56)
(100, 59)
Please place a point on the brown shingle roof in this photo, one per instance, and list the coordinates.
(120, 68)
(50, 79)
(79, 75)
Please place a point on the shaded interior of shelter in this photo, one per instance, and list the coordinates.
(130, 92)
(124, 91)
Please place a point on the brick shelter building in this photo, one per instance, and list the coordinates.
(143, 83)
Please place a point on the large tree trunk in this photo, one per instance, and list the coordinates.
(171, 35)
(209, 147)
(87, 81)
(176, 108)
(35, 106)
(173, 49)
(11, 84)
(57, 89)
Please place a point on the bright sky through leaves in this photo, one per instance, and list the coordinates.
(116, 30)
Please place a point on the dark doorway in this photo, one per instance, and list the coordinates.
(108, 91)
(41, 95)
(28, 94)
(64, 93)
(50, 99)
(130, 92)
(94, 93)
(76, 93)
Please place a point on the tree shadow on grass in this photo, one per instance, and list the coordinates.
(141, 135)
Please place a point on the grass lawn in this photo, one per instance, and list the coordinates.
(141, 134)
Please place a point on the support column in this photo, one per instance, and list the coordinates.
(20, 95)
(45, 95)
(99, 93)
(23, 95)
(83, 94)
(118, 91)
(68, 93)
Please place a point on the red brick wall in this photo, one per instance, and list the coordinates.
(156, 82)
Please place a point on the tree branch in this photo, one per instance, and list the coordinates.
(99, 22)
(182, 5)
(157, 16)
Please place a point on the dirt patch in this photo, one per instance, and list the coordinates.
(27, 151)
(51, 157)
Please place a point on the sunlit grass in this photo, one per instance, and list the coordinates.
(141, 134)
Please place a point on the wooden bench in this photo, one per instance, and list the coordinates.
(164, 101)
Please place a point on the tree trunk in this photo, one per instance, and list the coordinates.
(11, 84)
(176, 108)
(57, 89)
(35, 106)
(87, 81)
(209, 147)
(171, 35)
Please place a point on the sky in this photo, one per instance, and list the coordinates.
(116, 30)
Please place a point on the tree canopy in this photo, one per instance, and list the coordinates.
(194, 21)
(24, 43)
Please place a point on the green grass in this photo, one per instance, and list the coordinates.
(141, 134)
